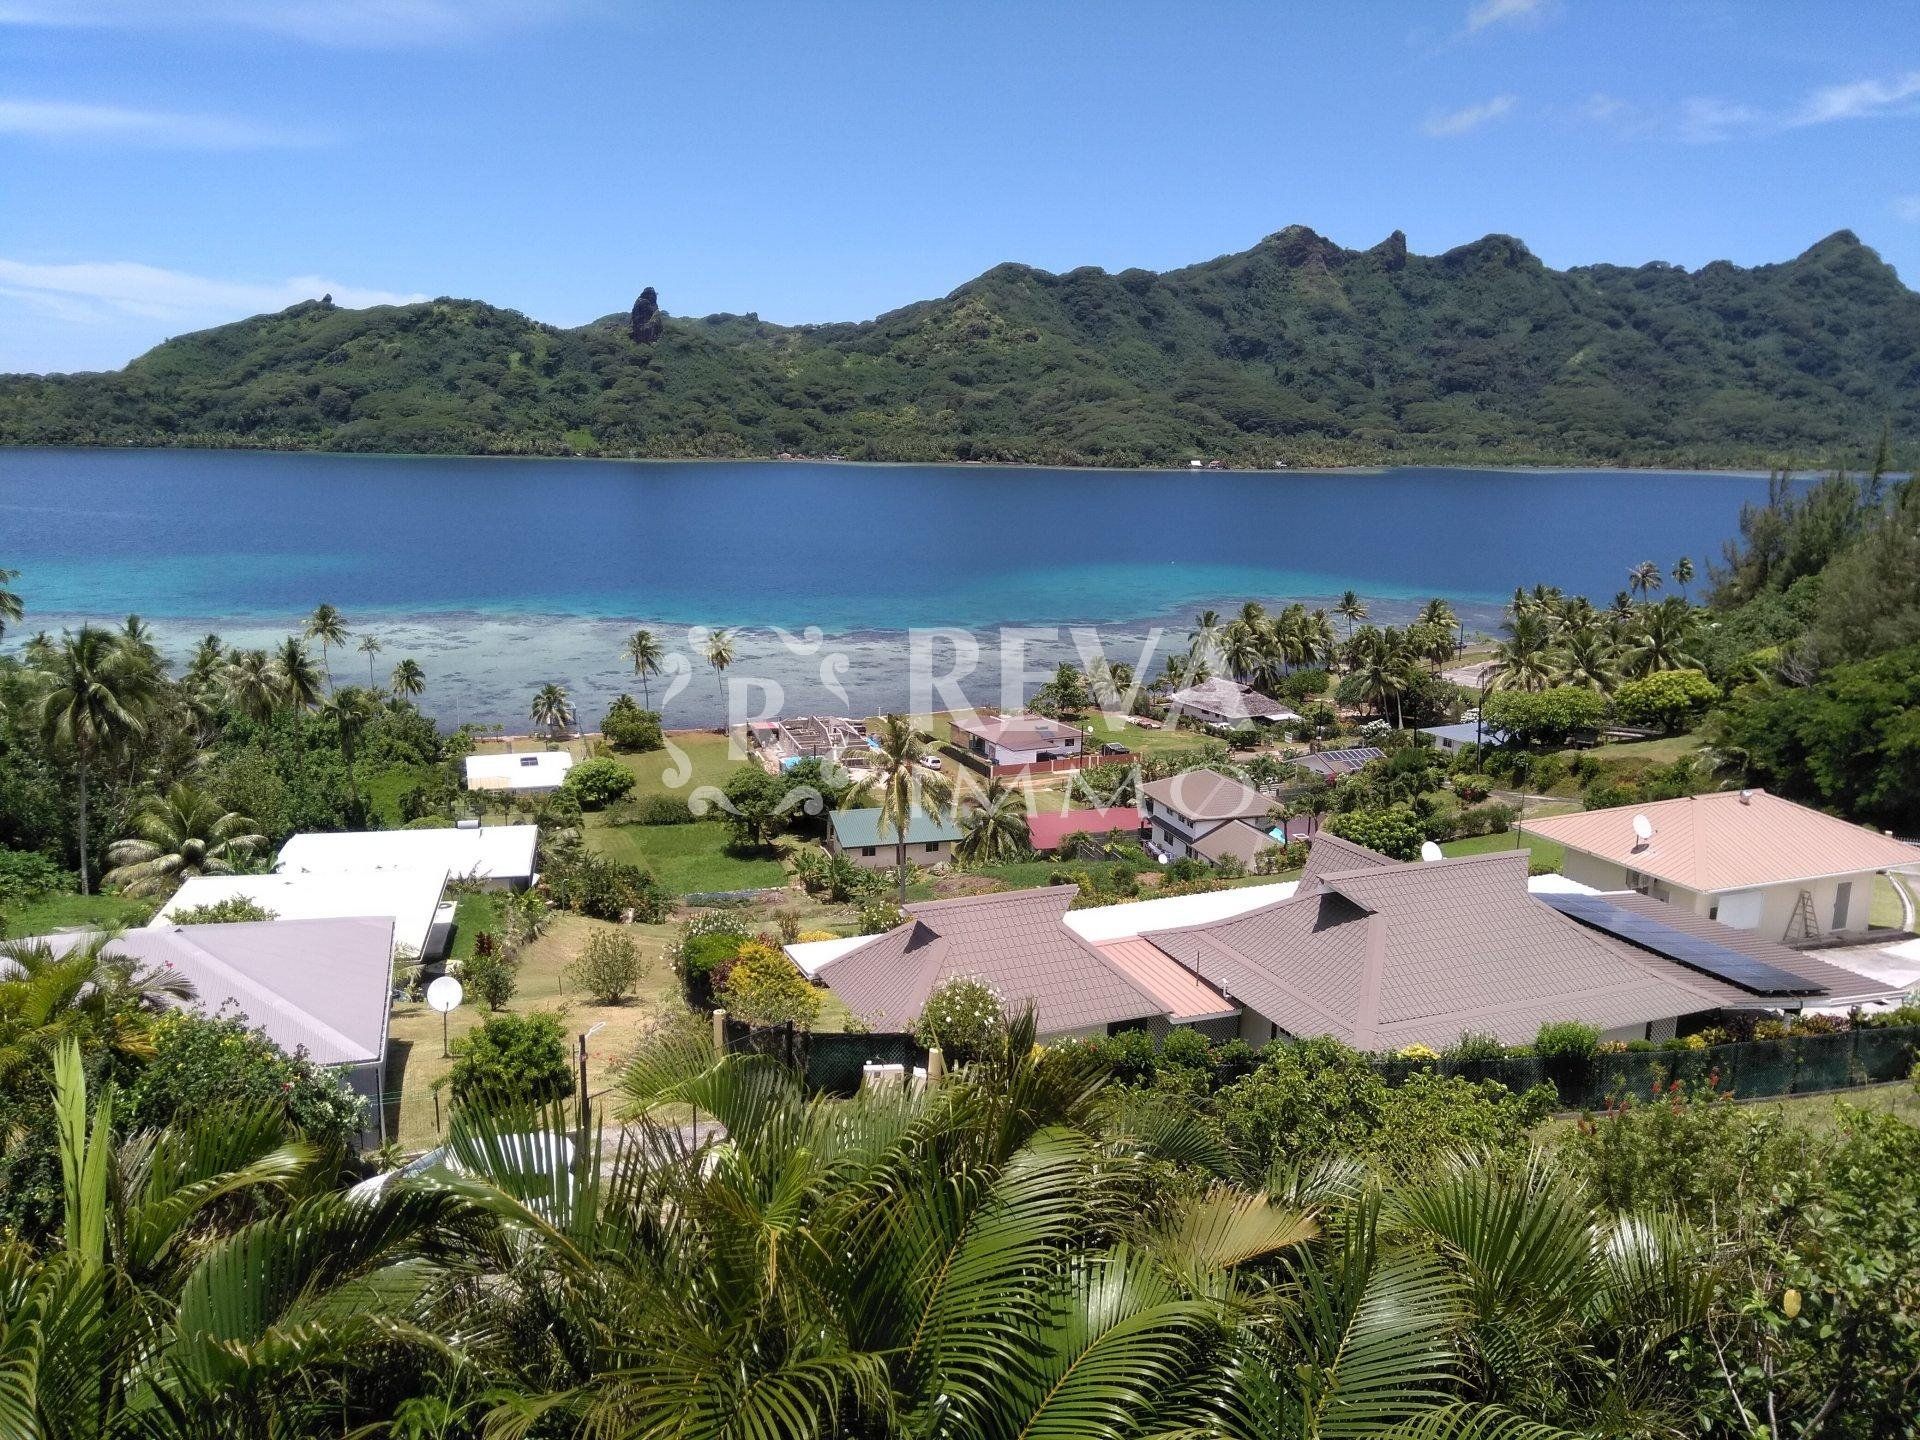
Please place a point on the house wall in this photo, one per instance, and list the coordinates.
(1777, 902)
(886, 855)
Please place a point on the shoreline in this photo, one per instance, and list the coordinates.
(1643, 467)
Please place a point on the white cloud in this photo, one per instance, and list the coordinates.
(349, 23)
(1907, 207)
(72, 121)
(1860, 99)
(1704, 119)
(1447, 124)
(105, 291)
(1499, 12)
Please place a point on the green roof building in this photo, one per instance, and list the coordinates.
(860, 836)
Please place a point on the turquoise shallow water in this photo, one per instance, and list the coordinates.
(513, 571)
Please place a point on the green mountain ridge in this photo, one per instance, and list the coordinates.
(1296, 351)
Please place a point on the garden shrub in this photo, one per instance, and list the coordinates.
(599, 782)
(1393, 832)
(27, 875)
(232, 910)
(1474, 1045)
(577, 879)
(630, 729)
(1566, 1040)
(512, 1059)
(1670, 700)
(608, 967)
(203, 1063)
(487, 975)
(879, 915)
(965, 1018)
(764, 988)
(658, 810)
(1545, 717)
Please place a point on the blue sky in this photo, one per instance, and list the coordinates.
(170, 164)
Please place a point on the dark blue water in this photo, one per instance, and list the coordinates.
(849, 548)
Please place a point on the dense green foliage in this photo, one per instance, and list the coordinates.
(1295, 350)
(518, 1059)
(599, 782)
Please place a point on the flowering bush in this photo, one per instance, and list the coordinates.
(764, 988)
(1419, 1052)
(964, 1017)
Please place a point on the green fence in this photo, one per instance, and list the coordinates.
(831, 1060)
(1752, 1070)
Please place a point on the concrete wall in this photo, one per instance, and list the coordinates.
(1777, 902)
(886, 855)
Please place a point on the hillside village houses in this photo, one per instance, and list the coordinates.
(1019, 739)
(399, 875)
(1747, 859)
(1378, 953)
(1221, 703)
(873, 844)
(1185, 812)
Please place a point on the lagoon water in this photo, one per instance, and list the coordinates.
(501, 574)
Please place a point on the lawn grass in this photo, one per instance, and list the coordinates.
(383, 789)
(687, 859)
(472, 913)
(1822, 1112)
(1663, 751)
(75, 912)
(1886, 911)
(1547, 852)
(704, 758)
(414, 1061)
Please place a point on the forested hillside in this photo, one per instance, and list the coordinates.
(1296, 350)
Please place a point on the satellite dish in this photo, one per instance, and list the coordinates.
(444, 994)
(1430, 851)
(1642, 829)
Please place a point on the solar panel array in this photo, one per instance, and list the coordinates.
(1709, 957)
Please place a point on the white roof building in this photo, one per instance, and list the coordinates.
(501, 854)
(534, 772)
(408, 899)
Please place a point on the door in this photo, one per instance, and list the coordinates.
(1741, 908)
(1842, 898)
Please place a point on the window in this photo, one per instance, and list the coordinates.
(933, 847)
(1842, 897)
(866, 850)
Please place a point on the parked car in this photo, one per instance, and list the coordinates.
(1114, 747)
(932, 762)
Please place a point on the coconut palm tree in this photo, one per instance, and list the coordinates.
(1663, 640)
(11, 606)
(408, 680)
(720, 656)
(1382, 668)
(370, 647)
(251, 685)
(995, 829)
(552, 709)
(94, 695)
(137, 636)
(1525, 659)
(351, 710)
(180, 835)
(904, 787)
(644, 653)
(294, 676)
(1683, 574)
(204, 666)
(1587, 658)
(1352, 609)
(327, 626)
(1643, 579)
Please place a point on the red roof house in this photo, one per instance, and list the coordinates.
(1047, 829)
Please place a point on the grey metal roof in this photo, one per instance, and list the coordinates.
(1014, 941)
(1335, 763)
(1397, 954)
(1223, 696)
(1236, 838)
(316, 985)
(1207, 795)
